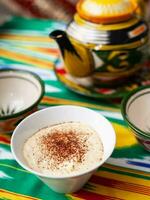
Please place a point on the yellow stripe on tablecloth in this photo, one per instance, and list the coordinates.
(4, 143)
(113, 192)
(123, 169)
(14, 196)
(25, 38)
(45, 50)
(57, 101)
(125, 138)
(71, 197)
(26, 59)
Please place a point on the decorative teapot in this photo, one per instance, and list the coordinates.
(105, 42)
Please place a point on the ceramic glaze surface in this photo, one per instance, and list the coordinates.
(86, 87)
(136, 113)
(19, 91)
(138, 110)
(106, 52)
(93, 35)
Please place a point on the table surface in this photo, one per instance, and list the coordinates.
(24, 44)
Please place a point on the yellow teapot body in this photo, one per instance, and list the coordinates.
(108, 48)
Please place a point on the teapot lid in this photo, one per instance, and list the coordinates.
(106, 11)
(127, 34)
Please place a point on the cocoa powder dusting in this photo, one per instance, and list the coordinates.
(63, 146)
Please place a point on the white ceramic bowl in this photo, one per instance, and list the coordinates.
(136, 113)
(56, 115)
(20, 93)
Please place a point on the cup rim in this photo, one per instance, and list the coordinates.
(35, 76)
(67, 176)
(124, 102)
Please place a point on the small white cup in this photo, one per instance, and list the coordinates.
(56, 115)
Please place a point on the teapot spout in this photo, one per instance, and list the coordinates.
(63, 42)
(56, 34)
(77, 59)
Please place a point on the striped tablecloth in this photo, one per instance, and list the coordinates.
(24, 44)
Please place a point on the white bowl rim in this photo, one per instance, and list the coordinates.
(124, 103)
(35, 76)
(67, 176)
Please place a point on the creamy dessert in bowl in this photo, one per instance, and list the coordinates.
(63, 145)
(63, 149)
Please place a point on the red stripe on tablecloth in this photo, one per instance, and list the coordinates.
(93, 196)
(131, 187)
(4, 140)
(30, 6)
(34, 9)
(68, 5)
